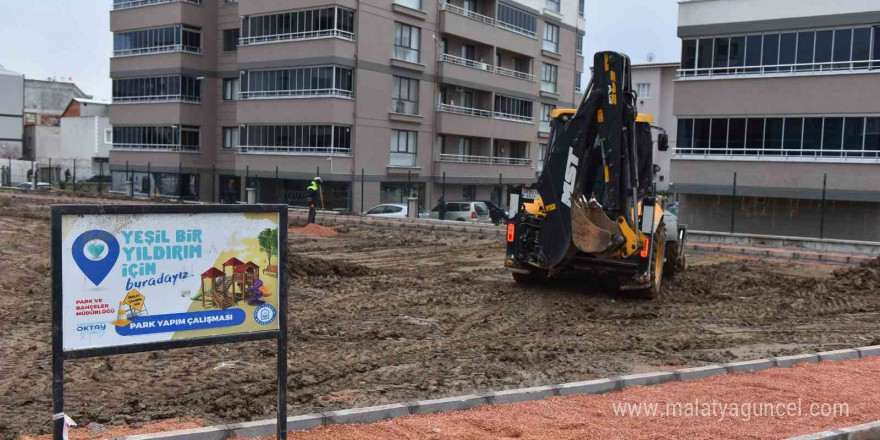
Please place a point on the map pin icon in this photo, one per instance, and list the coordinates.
(95, 252)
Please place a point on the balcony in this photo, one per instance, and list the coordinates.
(449, 108)
(466, 13)
(297, 36)
(463, 69)
(300, 111)
(158, 14)
(293, 151)
(483, 160)
(128, 4)
(474, 26)
(474, 122)
(446, 58)
(303, 93)
(156, 148)
(158, 113)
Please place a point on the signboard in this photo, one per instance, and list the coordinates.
(128, 279)
(138, 278)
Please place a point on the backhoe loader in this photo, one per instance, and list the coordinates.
(595, 206)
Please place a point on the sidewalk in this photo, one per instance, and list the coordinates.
(851, 385)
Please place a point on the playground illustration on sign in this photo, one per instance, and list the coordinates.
(132, 279)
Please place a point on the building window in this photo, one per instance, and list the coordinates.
(161, 138)
(551, 37)
(516, 20)
(158, 40)
(108, 136)
(546, 112)
(157, 89)
(542, 153)
(229, 2)
(815, 137)
(301, 139)
(577, 82)
(581, 7)
(230, 39)
(465, 146)
(514, 109)
(126, 4)
(230, 137)
(548, 78)
(329, 22)
(230, 89)
(643, 90)
(579, 44)
(469, 193)
(787, 53)
(404, 144)
(305, 82)
(406, 42)
(404, 95)
(412, 4)
(552, 5)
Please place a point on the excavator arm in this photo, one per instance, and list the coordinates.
(590, 183)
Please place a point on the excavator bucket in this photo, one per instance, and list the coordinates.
(591, 230)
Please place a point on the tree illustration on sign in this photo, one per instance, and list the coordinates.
(268, 239)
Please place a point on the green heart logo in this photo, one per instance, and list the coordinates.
(96, 249)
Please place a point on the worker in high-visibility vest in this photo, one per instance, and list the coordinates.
(314, 197)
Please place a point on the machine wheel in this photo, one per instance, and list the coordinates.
(534, 276)
(674, 259)
(659, 255)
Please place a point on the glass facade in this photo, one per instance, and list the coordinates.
(157, 89)
(297, 82)
(507, 107)
(158, 40)
(822, 50)
(304, 139)
(517, 20)
(298, 25)
(163, 138)
(790, 136)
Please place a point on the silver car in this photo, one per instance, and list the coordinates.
(464, 211)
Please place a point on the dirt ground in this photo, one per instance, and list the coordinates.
(387, 315)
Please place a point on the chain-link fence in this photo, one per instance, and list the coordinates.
(819, 208)
(89, 174)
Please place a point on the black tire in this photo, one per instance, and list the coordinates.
(671, 266)
(657, 267)
(534, 276)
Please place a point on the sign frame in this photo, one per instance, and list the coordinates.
(58, 353)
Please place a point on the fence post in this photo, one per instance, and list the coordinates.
(213, 183)
(362, 190)
(733, 204)
(822, 207)
(51, 172)
(179, 181)
(150, 184)
(100, 178)
(74, 174)
(277, 190)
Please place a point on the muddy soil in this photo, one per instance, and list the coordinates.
(387, 315)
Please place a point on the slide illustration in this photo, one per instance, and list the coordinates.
(255, 292)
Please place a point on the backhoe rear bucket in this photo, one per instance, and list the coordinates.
(591, 230)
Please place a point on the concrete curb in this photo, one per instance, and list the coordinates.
(264, 428)
(868, 431)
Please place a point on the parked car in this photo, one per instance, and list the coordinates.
(497, 214)
(392, 210)
(463, 211)
(102, 179)
(40, 185)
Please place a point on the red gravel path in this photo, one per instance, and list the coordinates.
(855, 383)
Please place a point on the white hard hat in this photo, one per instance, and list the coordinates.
(318, 179)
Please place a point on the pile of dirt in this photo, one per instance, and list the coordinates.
(314, 230)
(864, 276)
(302, 267)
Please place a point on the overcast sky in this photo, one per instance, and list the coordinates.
(71, 38)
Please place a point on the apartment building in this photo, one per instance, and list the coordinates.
(778, 102)
(655, 85)
(381, 98)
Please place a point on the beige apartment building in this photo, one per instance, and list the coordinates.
(378, 97)
(778, 103)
